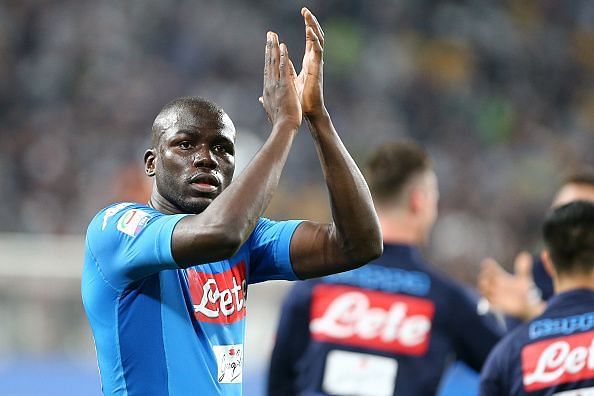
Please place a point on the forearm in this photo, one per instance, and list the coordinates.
(228, 221)
(247, 197)
(356, 227)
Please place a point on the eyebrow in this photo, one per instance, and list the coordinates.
(195, 132)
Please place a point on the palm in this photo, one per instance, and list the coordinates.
(308, 85)
(309, 81)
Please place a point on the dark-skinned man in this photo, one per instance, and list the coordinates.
(164, 284)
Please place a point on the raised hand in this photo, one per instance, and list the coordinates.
(309, 82)
(512, 294)
(279, 96)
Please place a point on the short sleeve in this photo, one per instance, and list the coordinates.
(491, 375)
(269, 246)
(129, 242)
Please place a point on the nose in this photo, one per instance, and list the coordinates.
(204, 158)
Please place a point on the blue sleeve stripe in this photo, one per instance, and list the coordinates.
(142, 350)
(282, 252)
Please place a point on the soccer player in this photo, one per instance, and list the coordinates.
(553, 354)
(522, 295)
(165, 283)
(393, 326)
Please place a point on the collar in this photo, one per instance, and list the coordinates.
(570, 298)
(405, 252)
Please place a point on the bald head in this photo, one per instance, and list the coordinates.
(189, 110)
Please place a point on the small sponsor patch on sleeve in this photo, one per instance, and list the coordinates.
(133, 221)
(112, 211)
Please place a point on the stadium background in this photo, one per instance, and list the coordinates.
(500, 92)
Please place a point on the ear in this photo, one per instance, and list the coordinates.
(416, 200)
(149, 162)
(548, 263)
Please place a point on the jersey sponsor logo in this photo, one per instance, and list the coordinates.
(561, 326)
(229, 363)
(219, 298)
(133, 221)
(359, 374)
(371, 319)
(112, 211)
(557, 361)
(394, 280)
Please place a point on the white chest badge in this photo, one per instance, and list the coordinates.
(229, 363)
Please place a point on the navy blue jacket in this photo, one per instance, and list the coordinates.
(390, 327)
(550, 354)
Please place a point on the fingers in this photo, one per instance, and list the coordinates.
(312, 22)
(271, 56)
(490, 273)
(523, 265)
(313, 40)
(287, 69)
(267, 57)
(283, 62)
(490, 267)
(291, 70)
(274, 55)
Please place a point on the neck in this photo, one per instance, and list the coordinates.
(158, 202)
(567, 283)
(399, 227)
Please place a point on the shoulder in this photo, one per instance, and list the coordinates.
(125, 217)
(450, 287)
(507, 351)
(302, 290)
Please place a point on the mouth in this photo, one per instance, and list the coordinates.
(205, 182)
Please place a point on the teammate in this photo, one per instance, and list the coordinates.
(554, 353)
(165, 284)
(522, 295)
(393, 326)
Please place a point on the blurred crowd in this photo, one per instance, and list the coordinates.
(501, 93)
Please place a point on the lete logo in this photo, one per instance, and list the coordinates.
(219, 298)
(558, 360)
(371, 319)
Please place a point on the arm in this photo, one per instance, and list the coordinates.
(491, 376)
(354, 236)
(474, 335)
(292, 339)
(220, 230)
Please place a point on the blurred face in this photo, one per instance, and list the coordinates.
(193, 161)
(573, 192)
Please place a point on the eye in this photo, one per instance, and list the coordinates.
(185, 145)
(223, 149)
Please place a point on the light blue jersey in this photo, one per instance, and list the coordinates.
(162, 330)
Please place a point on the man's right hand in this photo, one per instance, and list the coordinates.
(279, 97)
(309, 82)
(512, 294)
